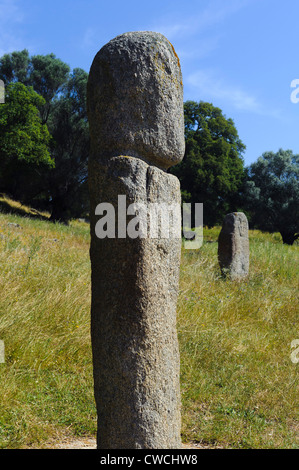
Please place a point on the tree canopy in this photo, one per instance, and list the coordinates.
(62, 107)
(212, 169)
(271, 194)
(68, 125)
(24, 139)
(45, 147)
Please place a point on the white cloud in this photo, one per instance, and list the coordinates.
(197, 35)
(202, 50)
(10, 16)
(211, 87)
(10, 11)
(88, 39)
(216, 12)
(208, 86)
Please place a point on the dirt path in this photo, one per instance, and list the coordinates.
(83, 443)
(89, 443)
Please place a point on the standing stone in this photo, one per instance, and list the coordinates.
(136, 118)
(233, 246)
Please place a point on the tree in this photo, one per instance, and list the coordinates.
(67, 182)
(48, 76)
(14, 67)
(64, 188)
(45, 73)
(271, 194)
(212, 169)
(24, 139)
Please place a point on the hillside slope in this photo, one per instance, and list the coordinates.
(238, 382)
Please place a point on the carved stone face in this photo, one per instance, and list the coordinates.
(135, 100)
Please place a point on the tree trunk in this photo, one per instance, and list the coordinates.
(59, 211)
(288, 238)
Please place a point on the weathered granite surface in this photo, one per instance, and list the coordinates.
(135, 109)
(233, 246)
(135, 100)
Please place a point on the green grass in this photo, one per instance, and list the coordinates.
(46, 380)
(239, 386)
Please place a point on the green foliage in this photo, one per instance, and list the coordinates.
(45, 73)
(212, 169)
(48, 76)
(24, 139)
(63, 188)
(22, 134)
(69, 127)
(271, 193)
(14, 67)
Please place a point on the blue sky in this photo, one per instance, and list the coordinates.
(240, 55)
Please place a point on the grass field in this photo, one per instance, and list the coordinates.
(239, 385)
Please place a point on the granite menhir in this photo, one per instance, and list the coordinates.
(233, 246)
(136, 119)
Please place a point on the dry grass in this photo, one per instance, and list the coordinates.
(46, 379)
(238, 382)
(239, 385)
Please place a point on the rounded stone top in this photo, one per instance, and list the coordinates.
(135, 100)
(235, 221)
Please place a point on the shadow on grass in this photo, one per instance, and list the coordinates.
(8, 208)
